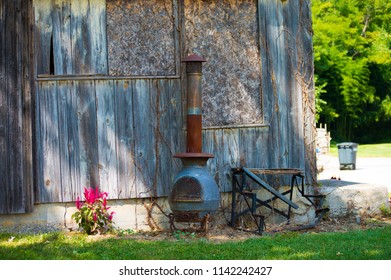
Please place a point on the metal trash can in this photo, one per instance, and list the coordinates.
(347, 154)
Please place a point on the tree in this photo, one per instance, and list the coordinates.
(352, 44)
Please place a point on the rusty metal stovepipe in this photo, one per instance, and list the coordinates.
(194, 103)
(194, 108)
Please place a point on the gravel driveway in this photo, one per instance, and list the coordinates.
(375, 171)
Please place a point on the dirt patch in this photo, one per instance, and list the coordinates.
(223, 233)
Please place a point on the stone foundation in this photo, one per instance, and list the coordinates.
(343, 199)
(148, 214)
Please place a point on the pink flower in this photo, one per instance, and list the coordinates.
(78, 203)
(95, 217)
(97, 194)
(111, 216)
(89, 195)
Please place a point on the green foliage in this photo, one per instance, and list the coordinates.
(178, 234)
(124, 232)
(93, 215)
(367, 150)
(352, 52)
(320, 104)
(386, 107)
(385, 210)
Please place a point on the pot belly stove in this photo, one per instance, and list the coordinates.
(195, 196)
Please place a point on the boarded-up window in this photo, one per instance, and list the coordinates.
(70, 37)
(141, 37)
(226, 33)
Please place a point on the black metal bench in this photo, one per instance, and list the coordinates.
(240, 187)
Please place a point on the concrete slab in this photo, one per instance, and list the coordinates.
(374, 171)
(354, 192)
(346, 198)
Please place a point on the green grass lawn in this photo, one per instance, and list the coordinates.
(372, 244)
(368, 150)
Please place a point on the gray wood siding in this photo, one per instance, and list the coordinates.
(235, 147)
(120, 135)
(16, 171)
(70, 37)
(287, 69)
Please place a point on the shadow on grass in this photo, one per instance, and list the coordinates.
(373, 244)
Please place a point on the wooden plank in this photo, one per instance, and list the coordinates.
(15, 126)
(268, 76)
(212, 144)
(106, 127)
(167, 169)
(163, 139)
(71, 37)
(176, 129)
(295, 135)
(145, 139)
(253, 147)
(176, 113)
(28, 90)
(274, 69)
(68, 142)
(3, 114)
(50, 172)
(231, 157)
(80, 34)
(62, 40)
(14, 44)
(125, 139)
(38, 180)
(88, 31)
(97, 18)
(305, 57)
(43, 35)
(88, 138)
(303, 130)
(275, 171)
(63, 138)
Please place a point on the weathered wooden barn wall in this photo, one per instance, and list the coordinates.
(71, 37)
(117, 131)
(287, 138)
(115, 134)
(15, 108)
(109, 109)
(286, 66)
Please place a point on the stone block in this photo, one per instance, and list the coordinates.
(352, 199)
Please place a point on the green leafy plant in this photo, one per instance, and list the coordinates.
(183, 234)
(124, 232)
(386, 210)
(93, 216)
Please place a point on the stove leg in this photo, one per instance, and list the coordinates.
(205, 223)
(172, 225)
